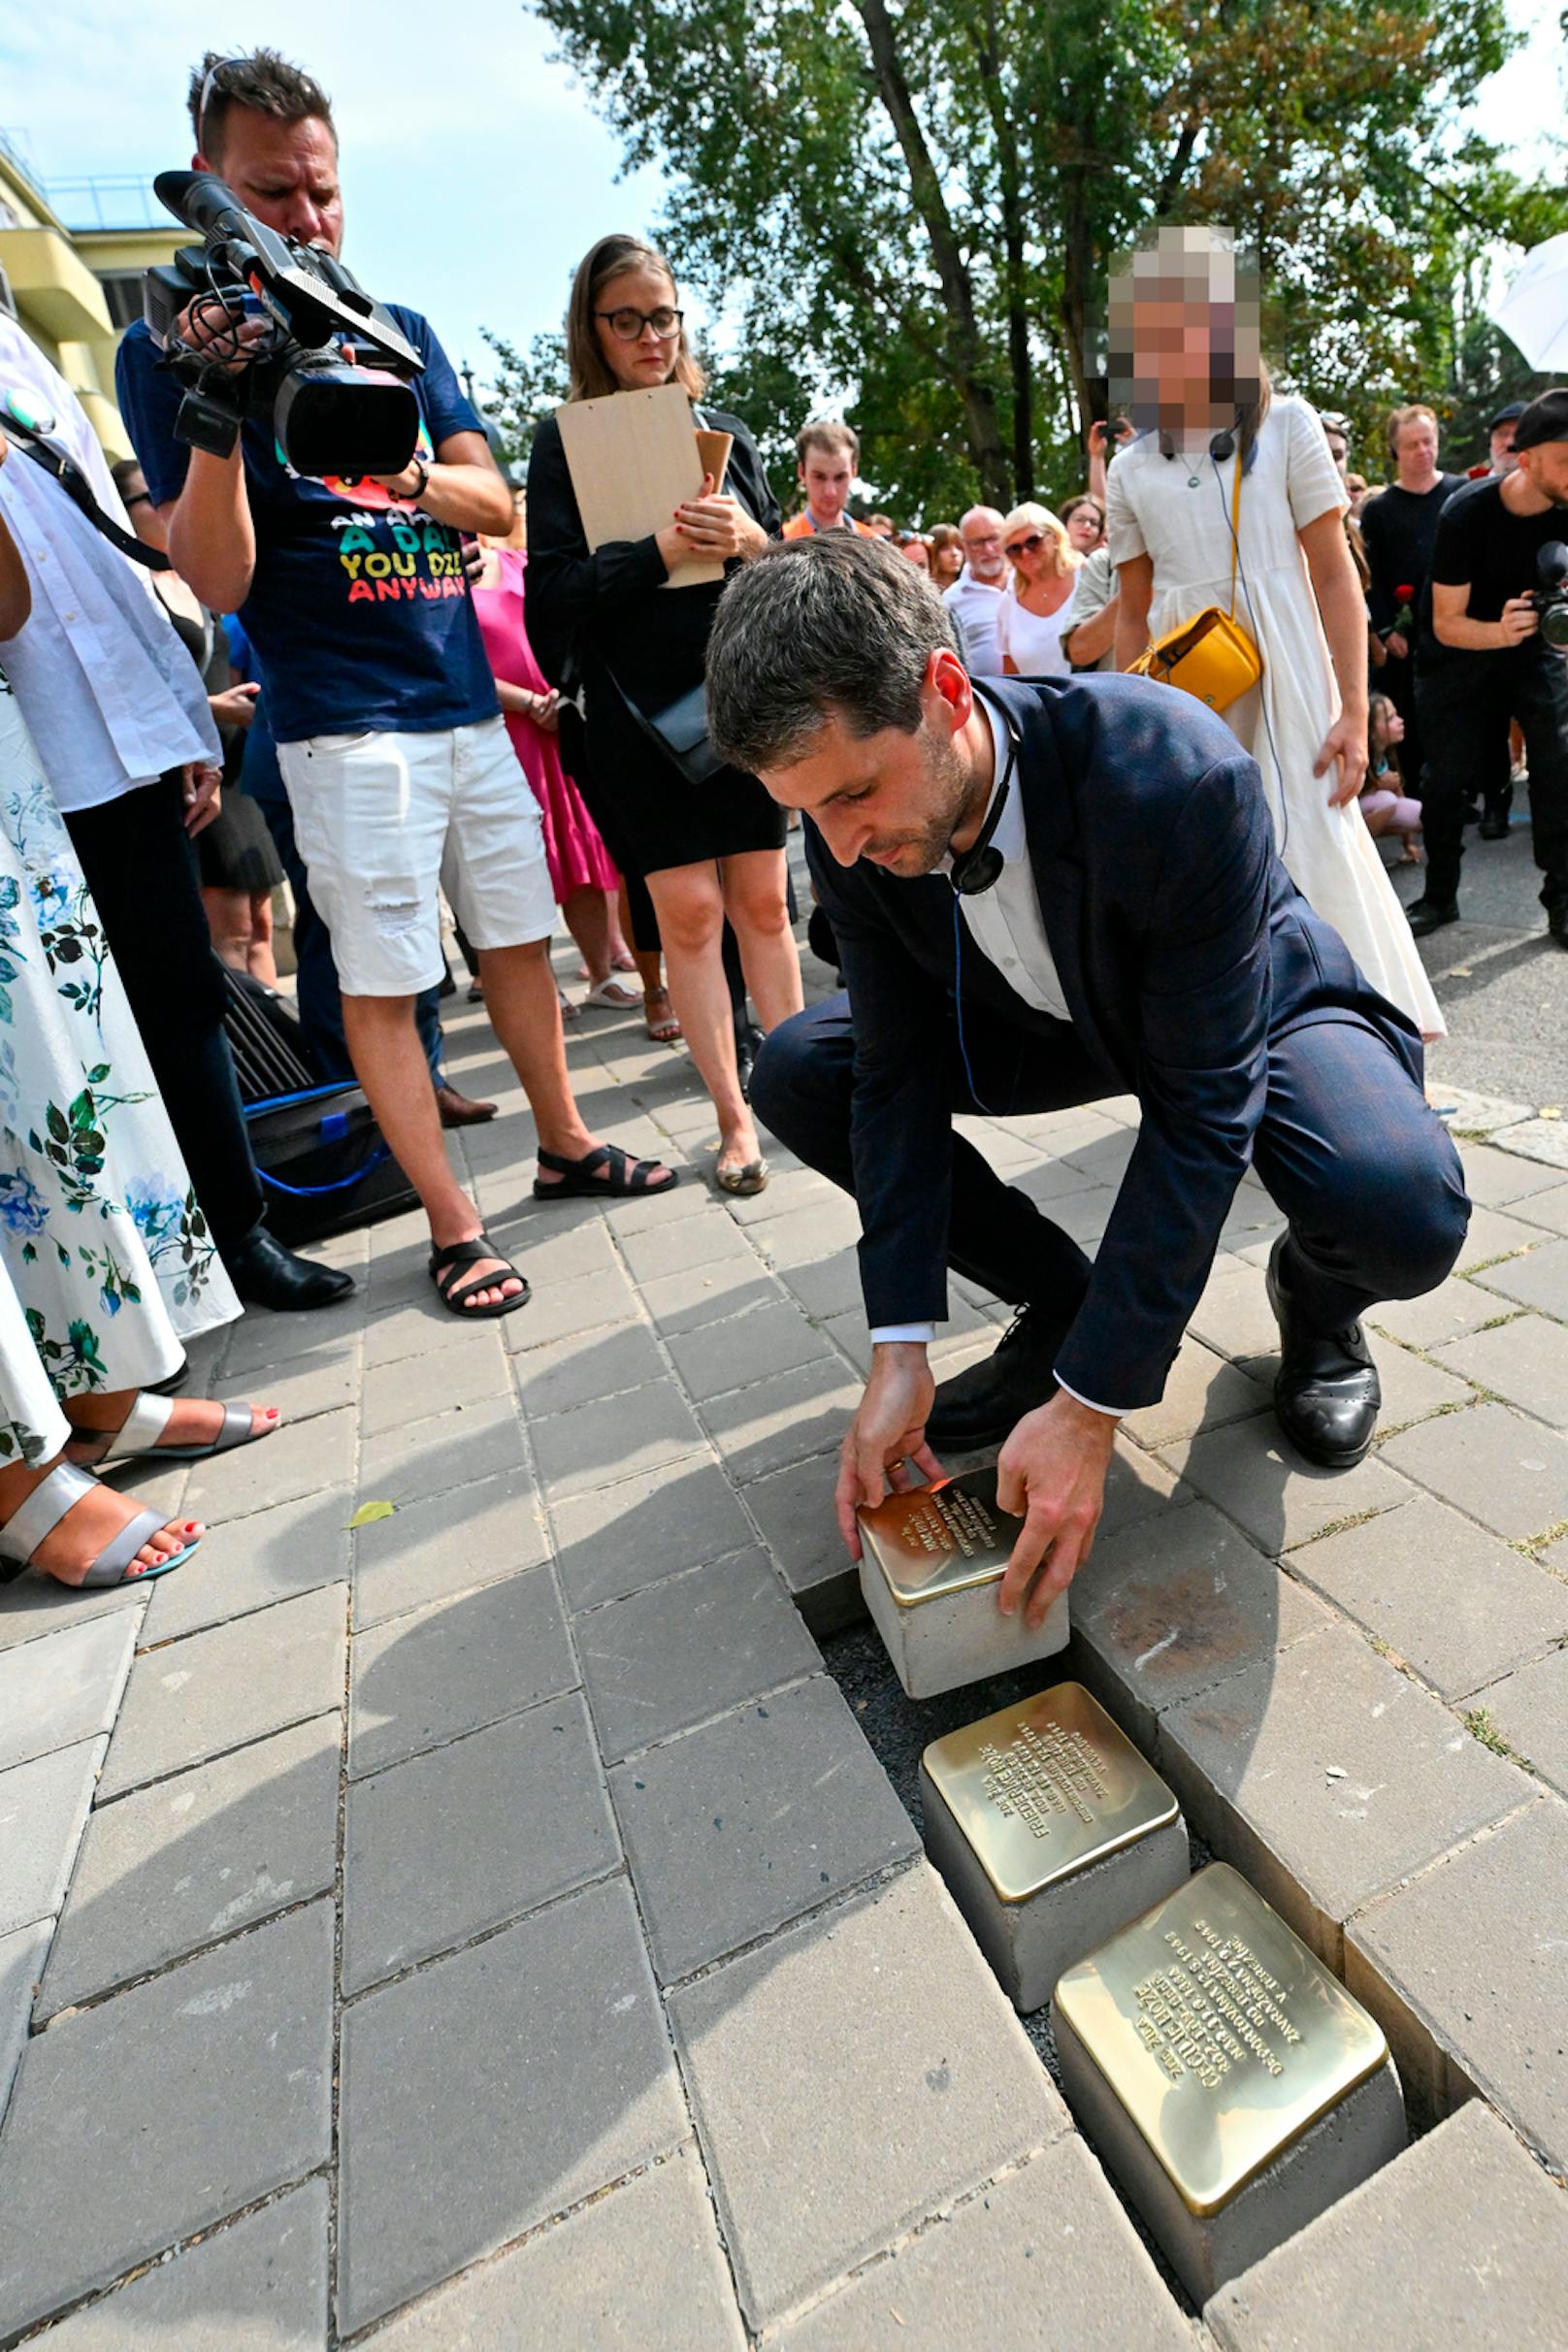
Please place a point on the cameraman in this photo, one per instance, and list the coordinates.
(398, 769)
(1482, 661)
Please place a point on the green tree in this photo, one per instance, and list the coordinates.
(524, 386)
(919, 207)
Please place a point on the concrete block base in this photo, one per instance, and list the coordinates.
(957, 1637)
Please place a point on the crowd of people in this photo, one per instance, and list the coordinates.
(435, 686)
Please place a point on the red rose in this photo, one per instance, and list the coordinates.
(1405, 593)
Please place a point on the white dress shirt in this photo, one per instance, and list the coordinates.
(977, 606)
(1006, 924)
(111, 697)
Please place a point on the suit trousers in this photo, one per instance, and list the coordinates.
(1346, 1149)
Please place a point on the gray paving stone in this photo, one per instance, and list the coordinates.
(21, 1963)
(735, 1355)
(1325, 1776)
(1471, 1958)
(300, 1459)
(1462, 2241)
(1233, 1315)
(199, 1857)
(1455, 1604)
(1413, 1389)
(1455, 1307)
(825, 1288)
(273, 1555)
(64, 1687)
(552, 1253)
(806, 1237)
(614, 1540)
(445, 1544)
(471, 1834)
(688, 1647)
(42, 1810)
(1272, 1493)
(260, 1342)
(34, 1607)
(454, 1667)
(1525, 1361)
(1049, 2238)
(489, 2091)
(639, 2269)
(1509, 1473)
(1202, 1391)
(260, 2285)
(323, 1380)
(1540, 1280)
(704, 1294)
(1493, 1234)
(232, 1684)
(586, 1366)
(1548, 1209)
(1498, 1179)
(1174, 1605)
(1530, 1709)
(412, 1389)
(690, 1241)
(963, 1333)
(752, 1821)
(447, 1452)
(619, 1437)
(557, 1309)
(850, 2078)
(784, 1420)
(143, 2092)
(795, 1511)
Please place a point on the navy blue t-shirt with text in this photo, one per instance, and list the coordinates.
(359, 609)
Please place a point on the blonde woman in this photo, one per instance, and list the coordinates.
(1034, 610)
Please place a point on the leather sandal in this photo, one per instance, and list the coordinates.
(446, 1266)
(624, 1178)
(34, 1519)
(137, 1437)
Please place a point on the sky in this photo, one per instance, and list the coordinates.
(477, 173)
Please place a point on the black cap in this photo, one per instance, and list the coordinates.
(1544, 420)
(1507, 416)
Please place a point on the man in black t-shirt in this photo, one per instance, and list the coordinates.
(1398, 531)
(1482, 661)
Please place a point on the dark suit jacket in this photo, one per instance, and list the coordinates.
(1183, 948)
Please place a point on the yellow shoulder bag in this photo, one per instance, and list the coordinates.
(1210, 656)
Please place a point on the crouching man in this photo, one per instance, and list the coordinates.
(1044, 893)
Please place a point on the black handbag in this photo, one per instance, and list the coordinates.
(680, 731)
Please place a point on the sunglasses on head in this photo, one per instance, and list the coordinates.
(1024, 547)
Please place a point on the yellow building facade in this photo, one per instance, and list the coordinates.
(70, 267)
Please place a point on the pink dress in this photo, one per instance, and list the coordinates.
(577, 857)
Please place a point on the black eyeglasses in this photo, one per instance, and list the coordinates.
(627, 325)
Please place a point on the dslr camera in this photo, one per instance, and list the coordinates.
(1550, 599)
(330, 414)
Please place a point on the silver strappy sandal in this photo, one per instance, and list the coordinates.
(40, 1514)
(137, 1437)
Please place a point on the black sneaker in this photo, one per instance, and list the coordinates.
(983, 1403)
(1427, 915)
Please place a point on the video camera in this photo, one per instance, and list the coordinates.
(331, 415)
(1550, 599)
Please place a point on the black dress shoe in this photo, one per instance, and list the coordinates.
(1557, 923)
(983, 1403)
(1494, 826)
(1326, 1394)
(1431, 914)
(267, 1275)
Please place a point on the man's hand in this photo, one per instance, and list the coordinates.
(1397, 643)
(203, 796)
(1344, 743)
(888, 1426)
(1518, 620)
(1051, 1473)
(204, 324)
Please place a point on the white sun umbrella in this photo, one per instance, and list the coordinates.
(1533, 312)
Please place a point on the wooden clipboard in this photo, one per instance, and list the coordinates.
(634, 457)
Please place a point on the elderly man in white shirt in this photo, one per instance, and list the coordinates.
(975, 597)
(120, 717)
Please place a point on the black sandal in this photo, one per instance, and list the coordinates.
(447, 1264)
(626, 1180)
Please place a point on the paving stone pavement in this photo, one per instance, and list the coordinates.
(491, 1925)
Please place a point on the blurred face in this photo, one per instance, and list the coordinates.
(1546, 470)
(1338, 451)
(1086, 528)
(827, 476)
(1029, 552)
(893, 799)
(1387, 727)
(947, 562)
(981, 534)
(1503, 460)
(285, 172)
(915, 551)
(650, 358)
(1416, 448)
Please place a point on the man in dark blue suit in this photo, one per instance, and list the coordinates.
(1044, 893)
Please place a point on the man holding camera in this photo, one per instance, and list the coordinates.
(398, 769)
(1492, 648)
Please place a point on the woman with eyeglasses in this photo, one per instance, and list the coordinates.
(601, 624)
(1034, 610)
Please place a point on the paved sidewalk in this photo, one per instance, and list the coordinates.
(491, 1927)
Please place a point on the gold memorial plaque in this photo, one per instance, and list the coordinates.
(1221, 2035)
(942, 1539)
(1046, 1787)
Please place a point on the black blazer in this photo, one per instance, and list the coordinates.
(1182, 946)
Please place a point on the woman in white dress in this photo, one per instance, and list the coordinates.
(1035, 610)
(1296, 594)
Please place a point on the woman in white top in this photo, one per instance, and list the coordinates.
(1296, 594)
(1035, 610)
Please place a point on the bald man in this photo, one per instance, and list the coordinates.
(975, 599)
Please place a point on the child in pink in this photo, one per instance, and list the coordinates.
(1385, 804)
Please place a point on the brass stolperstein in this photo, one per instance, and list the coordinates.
(1222, 2037)
(938, 1540)
(1045, 1787)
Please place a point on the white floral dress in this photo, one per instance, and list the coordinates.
(106, 1263)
